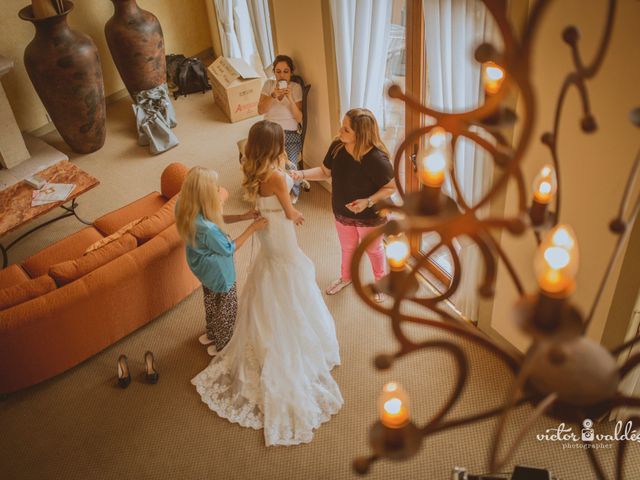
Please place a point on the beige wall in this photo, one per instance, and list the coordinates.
(184, 25)
(593, 167)
(309, 42)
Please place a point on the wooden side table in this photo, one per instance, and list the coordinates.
(12, 147)
(15, 202)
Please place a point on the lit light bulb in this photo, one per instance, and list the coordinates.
(438, 137)
(492, 75)
(393, 406)
(397, 250)
(556, 262)
(545, 185)
(434, 162)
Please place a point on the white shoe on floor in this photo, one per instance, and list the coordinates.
(204, 340)
(211, 350)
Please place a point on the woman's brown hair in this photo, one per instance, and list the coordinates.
(264, 151)
(286, 59)
(365, 126)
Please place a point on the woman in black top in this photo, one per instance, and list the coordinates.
(361, 175)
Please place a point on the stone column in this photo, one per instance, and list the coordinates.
(12, 147)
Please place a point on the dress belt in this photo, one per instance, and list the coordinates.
(269, 210)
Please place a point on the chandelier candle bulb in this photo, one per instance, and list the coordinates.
(545, 186)
(435, 160)
(492, 77)
(556, 262)
(397, 251)
(393, 406)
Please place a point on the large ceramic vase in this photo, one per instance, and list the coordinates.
(136, 43)
(64, 67)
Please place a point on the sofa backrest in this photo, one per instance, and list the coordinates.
(156, 223)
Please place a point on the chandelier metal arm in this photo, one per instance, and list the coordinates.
(617, 251)
(592, 69)
(622, 449)
(464, 421)
(409, 139)
(507, 262)
(517, 173)
(451, 121)
(469, 333)
(516, 388)
(595, 463)
(483, 242)
(621, 348)
(621, 400)
(455, 280)
(531, 27)
(624, 204)
(547, 317)
(630, 364)
(496, 464)
(462, 369)
(571, 36)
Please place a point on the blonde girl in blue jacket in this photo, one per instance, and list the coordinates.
(209, 250)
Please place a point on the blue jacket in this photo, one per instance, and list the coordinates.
(211, 257)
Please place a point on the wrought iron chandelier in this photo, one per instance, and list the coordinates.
(564, 374)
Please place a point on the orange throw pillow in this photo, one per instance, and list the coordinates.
(114, 236)
(25, 291)
(156, 223)
(66, 272)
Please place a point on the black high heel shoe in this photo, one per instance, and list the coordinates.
(151, 374)
(124, 377)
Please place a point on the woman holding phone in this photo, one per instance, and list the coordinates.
(281, 102)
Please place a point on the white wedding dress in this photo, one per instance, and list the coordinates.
(275, 372)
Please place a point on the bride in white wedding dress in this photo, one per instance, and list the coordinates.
(275, 372)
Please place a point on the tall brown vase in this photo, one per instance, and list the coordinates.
(136, 43)
(64, 67)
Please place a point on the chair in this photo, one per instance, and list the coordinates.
(305, 93)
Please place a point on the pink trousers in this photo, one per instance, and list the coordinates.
(350, 237)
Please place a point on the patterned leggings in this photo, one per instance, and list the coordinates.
(293, 147)
(221, 309)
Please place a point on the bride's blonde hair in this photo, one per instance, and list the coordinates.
(199, 194)
(264, 151)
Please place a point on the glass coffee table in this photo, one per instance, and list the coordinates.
(15, 202)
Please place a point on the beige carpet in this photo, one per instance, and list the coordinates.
(79, 425)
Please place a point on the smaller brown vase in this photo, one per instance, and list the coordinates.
(136, 44)
(64, 67)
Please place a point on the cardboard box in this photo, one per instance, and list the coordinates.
(236, 87)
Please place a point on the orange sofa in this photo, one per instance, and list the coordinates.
(62, 305)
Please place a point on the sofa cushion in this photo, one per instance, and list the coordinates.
(68, 248)
(66, 272)
(156, 223)
(25, 291)
(145, 206)
(12, 275)
(114, 236)
(172, 178)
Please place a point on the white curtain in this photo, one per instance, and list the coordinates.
(236, 32)
(453, 28)
(261, 22)
(361, 33)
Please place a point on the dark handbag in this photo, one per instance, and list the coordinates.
(187, 75)
(173, 64)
